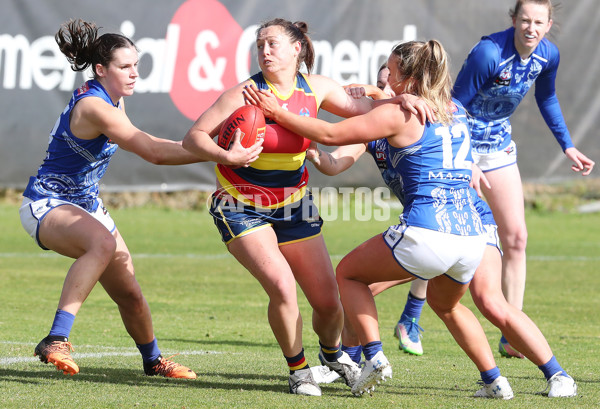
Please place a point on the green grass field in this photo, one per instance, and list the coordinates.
(213, 313)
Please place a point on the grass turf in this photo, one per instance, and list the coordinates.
(213, 313)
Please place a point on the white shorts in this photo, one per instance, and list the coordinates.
(496, 160)
(427, 254)
(33, 212)
(492, 236)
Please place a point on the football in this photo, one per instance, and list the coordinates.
(250, 120)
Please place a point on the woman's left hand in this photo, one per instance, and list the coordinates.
(582, 162)
(263, 99)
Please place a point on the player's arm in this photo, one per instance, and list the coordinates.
(385, 121)
(547, 101)
(478, 68)
(92, 117)
(333, 163)
(411, 103)
(199, 139)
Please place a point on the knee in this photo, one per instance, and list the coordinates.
(132, 300)
(495, 311)
(330, 305)
(515, 240)
(105, 246)
(282, 292)
(437, 305)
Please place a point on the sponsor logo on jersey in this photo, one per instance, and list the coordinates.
(504, 78)
(83, 89)
(380, 158)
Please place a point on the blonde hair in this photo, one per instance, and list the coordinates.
(427, 64)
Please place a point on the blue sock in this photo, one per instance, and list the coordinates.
(63, 322)
(551, 368)
(503, 340)
(331, 354)
(490, 376)
(149, 351)
(353, 352)
(371, 349)
(412, 308)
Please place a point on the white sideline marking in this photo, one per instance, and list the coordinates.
(227, 255)
(76, 355)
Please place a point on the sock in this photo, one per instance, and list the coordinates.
(63, 322)
(503, 340)
(371, 349)
(412, 308)
(551, 368)
(490, 376)
(297, 362)
(331, 354)
(354, 352)
(149, 351)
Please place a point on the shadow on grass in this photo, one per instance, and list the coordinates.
(208, 341)
(130, 377)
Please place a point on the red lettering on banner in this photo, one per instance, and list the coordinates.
(206, 55)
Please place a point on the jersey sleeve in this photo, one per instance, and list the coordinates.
(478, 68)
(547, 101)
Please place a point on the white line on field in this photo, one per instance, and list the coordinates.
(76, 355)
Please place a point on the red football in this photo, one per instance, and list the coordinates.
(250, 120)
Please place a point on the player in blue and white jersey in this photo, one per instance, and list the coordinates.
(61, 208)
(440, 236)
(485, 288)
(498, 72)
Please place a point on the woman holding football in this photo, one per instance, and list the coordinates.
(494, 78)
(274, 229)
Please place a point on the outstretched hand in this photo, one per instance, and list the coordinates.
(238, 155)
(264, 99)
(582, 162)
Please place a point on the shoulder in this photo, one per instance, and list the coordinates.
(320, 83)
(486, 49)
(233, 96)
(548, 50)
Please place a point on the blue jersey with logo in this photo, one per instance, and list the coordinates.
(431, 177)
(73, 167)
(494, 79)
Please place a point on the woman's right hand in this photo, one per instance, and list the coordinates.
(238, 156)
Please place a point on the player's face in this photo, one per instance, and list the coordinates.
(396, 81)
(531, 25)
(120, 75)
(383, 83)
(275, 51)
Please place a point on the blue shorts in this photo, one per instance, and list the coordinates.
(294, 222)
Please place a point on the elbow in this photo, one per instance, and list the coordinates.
(328, 140)
(155, 159)
(186, 143)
